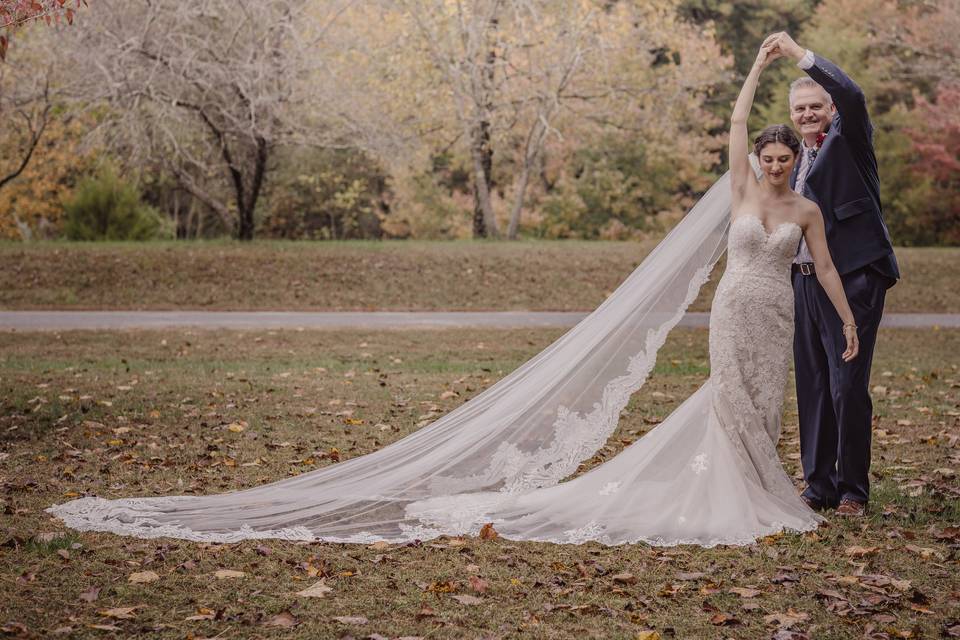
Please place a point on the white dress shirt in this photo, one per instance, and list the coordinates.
(803, 253)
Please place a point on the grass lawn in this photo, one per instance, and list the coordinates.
(145, 413)
(341, 276)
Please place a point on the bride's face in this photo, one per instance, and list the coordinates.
(776, 161)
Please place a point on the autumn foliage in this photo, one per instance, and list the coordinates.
(574, 119)
(14, 13)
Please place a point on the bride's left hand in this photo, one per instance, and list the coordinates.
(853, 343)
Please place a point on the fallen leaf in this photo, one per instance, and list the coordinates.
(222, 574)
(143, 577)
(319, 590)
(445, 586)
(860, 552)
(202, 614)
(690, 576)
(744, 592)
(15, 628)
(648, 634)
(625, 578)
(354, 620)
(425, 612)
(104, 627)
(478, 584)
(467, 599)
(91, 594)
(120, 613)
(923, 552)
(723, 620)
(786, 620)
(283, 620)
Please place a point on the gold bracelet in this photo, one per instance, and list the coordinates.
(848, 324)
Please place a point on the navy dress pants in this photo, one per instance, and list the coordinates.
(833, 396)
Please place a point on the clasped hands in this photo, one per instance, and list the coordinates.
(778, 45)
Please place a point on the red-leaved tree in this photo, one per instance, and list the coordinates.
(15, 13)
(936, 141)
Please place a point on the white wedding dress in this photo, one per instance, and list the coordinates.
(709, 474)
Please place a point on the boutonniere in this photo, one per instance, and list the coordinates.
(820, 138)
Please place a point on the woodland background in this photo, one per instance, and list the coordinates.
(436, 119)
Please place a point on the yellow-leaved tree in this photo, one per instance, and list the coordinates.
(502, 98)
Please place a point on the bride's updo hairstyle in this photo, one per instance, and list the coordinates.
(777, 133)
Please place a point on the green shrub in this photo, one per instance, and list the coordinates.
(106, 207)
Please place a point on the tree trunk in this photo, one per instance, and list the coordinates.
(247, 198)
(518, 201)
(484, 222)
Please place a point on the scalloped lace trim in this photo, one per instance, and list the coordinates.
(576, 436)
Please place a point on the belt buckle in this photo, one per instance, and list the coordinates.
(805, 268)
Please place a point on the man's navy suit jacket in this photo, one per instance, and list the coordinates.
(845, 182)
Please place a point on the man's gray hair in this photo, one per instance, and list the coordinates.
(807, 81)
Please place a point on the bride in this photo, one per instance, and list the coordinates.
(709, 474)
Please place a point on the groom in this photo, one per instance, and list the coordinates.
(838, 171)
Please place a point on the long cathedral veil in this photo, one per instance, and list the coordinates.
(531, 429)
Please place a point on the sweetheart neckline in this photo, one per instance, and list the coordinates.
(768, 234)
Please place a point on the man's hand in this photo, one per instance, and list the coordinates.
(786, 45)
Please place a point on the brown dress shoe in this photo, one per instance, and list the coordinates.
(851, 508)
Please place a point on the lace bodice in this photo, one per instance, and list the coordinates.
(752, 250)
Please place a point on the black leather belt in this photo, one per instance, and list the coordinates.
(805, 268)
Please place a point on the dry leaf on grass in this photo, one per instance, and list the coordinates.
(143, 577)
(223, 574)
(744, 592)
(478, 584)
(723, 620)
(120, 613)
(468, 600)
(860, 552)
(91, 594)
(353, 620)
(202, 614)
(786, 620)
(319, 590)
(283, 620)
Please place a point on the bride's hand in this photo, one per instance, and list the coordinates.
(767, 54)
(853, 342)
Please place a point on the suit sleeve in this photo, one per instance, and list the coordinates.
(847, 96)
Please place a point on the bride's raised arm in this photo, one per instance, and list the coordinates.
(741, 173)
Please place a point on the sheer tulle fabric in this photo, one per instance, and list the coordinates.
(529, 430)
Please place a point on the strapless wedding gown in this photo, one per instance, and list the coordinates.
(709, 474)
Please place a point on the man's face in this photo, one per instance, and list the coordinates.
(811, 110)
